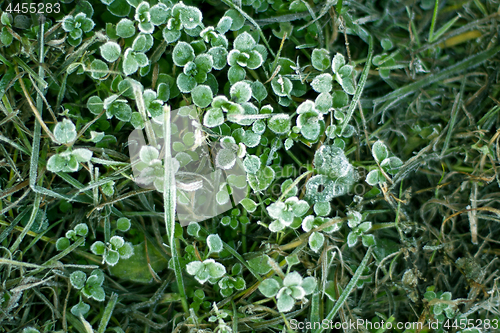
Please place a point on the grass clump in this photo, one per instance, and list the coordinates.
(249, 166)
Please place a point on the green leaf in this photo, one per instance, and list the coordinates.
(81, 229)
(65, 131)
(322, 83)
(191, 17)
(78, 279)
(260, 264)
(225, 159)
(316, 241)
(136, 268)
(249, 205)
(159, 13)
(112, 257)
(282, 86)
(285, 302)
(202, 96)
(238, 19)
(123, 224)
(251, 164)
(244, 42)
(236, 74)
(368, 240)
(193, 229)
(269, 287)
(98, 248)
(110, 51)
(240, 92)
(82, 154)
(125, 28)
(117, 241)
(214, 243)
(320, 59)
(373, 177)
(98, 69)
(95, 105)
(62, 244)
(80, 309)
(337, 62)
(126, 250)
(259, 91)
(322, 208)
(213, 117)
(185, 83)
(280, 123)
(380, 151)
(219, 56)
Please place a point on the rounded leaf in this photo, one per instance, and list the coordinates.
(379, 151)
(202, 96)
(285, 302)
(125, 28)
(78, 279)
(182, 54)
(316, 241)
(126, 251)
(269, 287)
(214, 243)
(98, 248)
(112, 257)
(240, 92)
(81, 229)
(292, 279)
(213, 117)
(322, 83)
(280, 123)
(123, 224)
(117, 241)
(65, 131)
(110, 51)
(282, 86)
(320, 59)
(225, 159)
(62, 244)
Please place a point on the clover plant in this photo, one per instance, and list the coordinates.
(291, 289)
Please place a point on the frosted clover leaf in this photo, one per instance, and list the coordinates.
(229, 284)
(207, 270)
(359, 229)
(441, 310)
(76, 26)
(90, 287)
(337, 176)
(390, 164)
(246, 52)
(151, 167)
(343, 73)
(310, 121)
(79, 231)
(148, 17)
(68, 161)
(181, 17)
(292, 289)
(115, 107)
(195, 69)
(285, 212)
(220, 105)
(113, 250)
(209, 179)
(316, 239)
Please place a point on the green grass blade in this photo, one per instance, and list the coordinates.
(468, 63)
(169, 201)
(433, 22)
(108, 311)
(360, 87)
(348, 289)
(444, 28)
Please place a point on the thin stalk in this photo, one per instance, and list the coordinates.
(169, 201)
